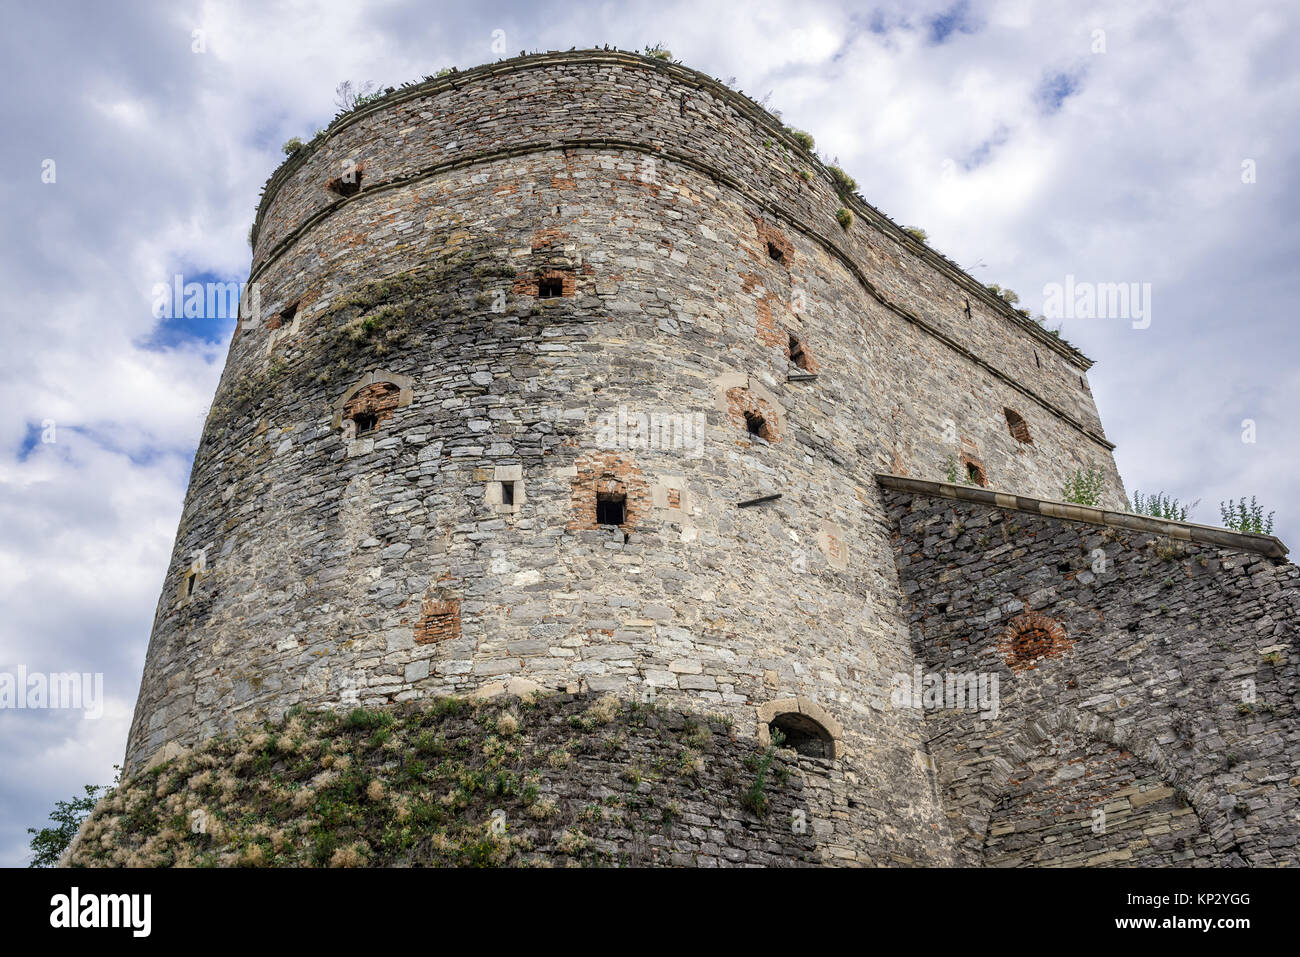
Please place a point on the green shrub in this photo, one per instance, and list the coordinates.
(1241, 517)
(292, 146)
(845, 183)
(1159, 505)
(917, 233)
(844, 217)
(1085, 487)
(804, 140)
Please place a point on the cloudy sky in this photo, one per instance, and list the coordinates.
(1128, 141)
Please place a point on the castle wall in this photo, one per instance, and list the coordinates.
(1146, 686)
(454, 547)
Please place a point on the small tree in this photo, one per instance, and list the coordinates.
(50, 842)
(1084, 488)
(1241, 517)
(348, 96)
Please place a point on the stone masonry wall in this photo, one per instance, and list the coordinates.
(566, 281)
(1147, 686)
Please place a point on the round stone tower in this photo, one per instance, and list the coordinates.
(574, 372)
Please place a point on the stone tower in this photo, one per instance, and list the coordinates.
(577, 371)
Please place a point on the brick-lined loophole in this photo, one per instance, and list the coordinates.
(372, 405)
(975, 473)
(804, 734)
(755, 424)
(799, 355)
(550, 287)
(611, 508)
(347, 184)
(775, 252)
(1017, 426)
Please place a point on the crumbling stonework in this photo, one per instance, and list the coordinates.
(1147, 680)
(536, 246)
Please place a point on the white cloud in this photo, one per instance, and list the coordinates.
(162, 152)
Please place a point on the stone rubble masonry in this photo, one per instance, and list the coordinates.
(374, 569)
(1156, 722)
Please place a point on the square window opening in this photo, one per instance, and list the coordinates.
(755, 424)
(611, 508)
(507, 493)
(550, 287)
(365, 422)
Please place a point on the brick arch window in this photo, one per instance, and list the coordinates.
(371, 406)
(369, 403)
(1018, 427)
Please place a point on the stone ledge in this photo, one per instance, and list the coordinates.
(744, 106)
(1182, 531)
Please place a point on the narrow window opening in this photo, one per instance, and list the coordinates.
(346, 185)
(774, 252)
(797, 354)
(507, 493)
(1018, 427)
(611, 508)
(190, 579)
(1037, 361)
(754, 424)
(976, 474)
(550, 287)
(365, 422)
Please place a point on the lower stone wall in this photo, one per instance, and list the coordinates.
(559, 780)
(1139, 704)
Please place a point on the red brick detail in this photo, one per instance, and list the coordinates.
(439, 621)
(1018, 427)
(772, 239)
(547, 237)
(608, 473)
(800, 355)
(674, 498)
(379, 399)
(1030, 638)
(740, 400)
(527, 285)
(768, 332)
(972, 468)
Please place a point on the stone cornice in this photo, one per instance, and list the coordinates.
(1179, 531)
(743, 105)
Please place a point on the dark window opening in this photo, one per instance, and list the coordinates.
(797, 354)
(190, 579)
(804, 735)
(365, 422)
(755, 424)
(976, 474)
(774, 252)
(550, 287)
(1018, 427)
(1037, 361)
(611, 508)
(507, 493)
(347, 184)
(289, 312)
